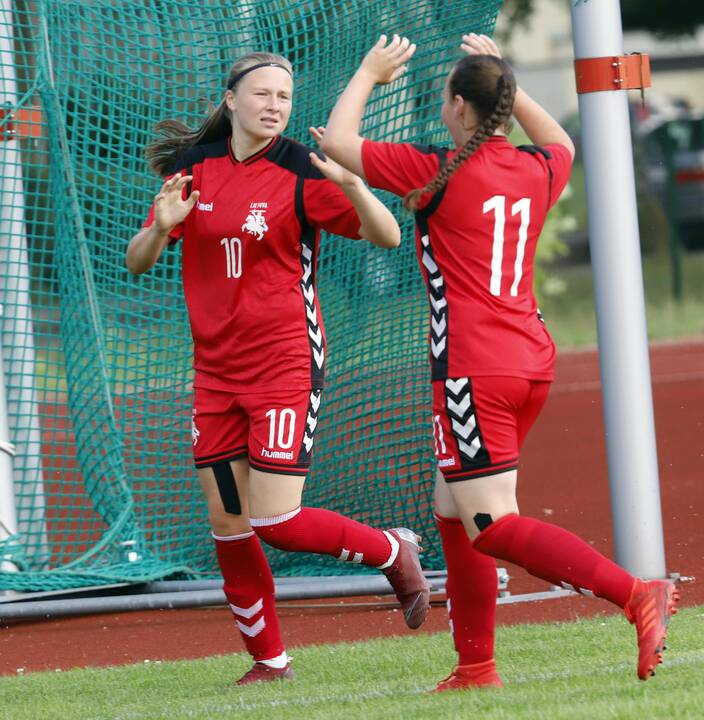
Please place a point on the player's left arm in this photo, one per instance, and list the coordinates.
(376, 222)
(383, 64)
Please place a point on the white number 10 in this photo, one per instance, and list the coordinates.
(233, 253)
(286, 427)
(498, 205)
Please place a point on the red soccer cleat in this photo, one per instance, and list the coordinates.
(470, 677)
(650, 606)
(406, 577)
(259, 672)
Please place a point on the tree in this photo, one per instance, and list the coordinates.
(661, 18)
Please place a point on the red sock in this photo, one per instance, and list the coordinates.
(555, 555)
(324, 532)
(249, 588)
(471, 593)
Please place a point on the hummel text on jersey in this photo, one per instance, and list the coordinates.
(206, 207)
(277, 454)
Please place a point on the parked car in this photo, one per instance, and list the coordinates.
(673, 146)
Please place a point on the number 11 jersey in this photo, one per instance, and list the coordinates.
(476, 241)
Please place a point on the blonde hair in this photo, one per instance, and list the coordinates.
(486, 82)
(176, 137)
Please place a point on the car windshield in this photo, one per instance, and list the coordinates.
(685, 134)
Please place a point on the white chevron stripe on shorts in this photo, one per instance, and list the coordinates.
(470, 450)
(456, 386)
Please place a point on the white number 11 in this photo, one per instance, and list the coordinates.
(498, 205)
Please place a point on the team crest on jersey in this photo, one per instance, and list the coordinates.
(255, 224)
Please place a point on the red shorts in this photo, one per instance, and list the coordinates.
(274, 429)
(479, 424)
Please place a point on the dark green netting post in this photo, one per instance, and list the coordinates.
(113, 370)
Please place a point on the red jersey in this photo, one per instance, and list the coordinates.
(250, 249)
(476, 242)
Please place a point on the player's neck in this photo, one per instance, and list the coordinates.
(244, 146)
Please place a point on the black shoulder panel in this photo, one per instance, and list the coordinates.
(431, 150)
(535, 150)
(293, 156)
(435, 201)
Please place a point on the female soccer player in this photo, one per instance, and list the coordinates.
(479, 209)
(248, 204)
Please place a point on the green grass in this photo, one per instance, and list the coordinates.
(574, 671)
(571, 316)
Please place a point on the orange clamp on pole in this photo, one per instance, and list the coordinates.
(620, 72)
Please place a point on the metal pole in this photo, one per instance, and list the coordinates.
(16, 327)
(209, 592)
(8, 513)
(620, 306)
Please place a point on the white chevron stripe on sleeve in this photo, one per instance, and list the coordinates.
(316, 337)
(315, 401)
(438, 327)
(252, 630)
(438, 347)
(425, 240)
(344, 555)
(307, 252)
(309, 294)
(438, 305)
(319, 356)
(429, 263)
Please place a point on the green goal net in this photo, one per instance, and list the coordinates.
(96, 393)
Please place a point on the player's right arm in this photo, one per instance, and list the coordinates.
(170, 210)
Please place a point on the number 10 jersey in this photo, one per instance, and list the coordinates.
(250, 249)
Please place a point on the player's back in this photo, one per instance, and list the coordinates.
(482, 235)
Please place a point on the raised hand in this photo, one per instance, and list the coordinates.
(329, 168)
(170, 208)
(387, 62)
(474, 44)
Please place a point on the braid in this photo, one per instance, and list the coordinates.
(501, 113)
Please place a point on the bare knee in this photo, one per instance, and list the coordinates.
(224, 524)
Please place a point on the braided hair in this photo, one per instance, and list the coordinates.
(177, 137)
(488, 84)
